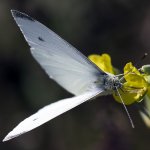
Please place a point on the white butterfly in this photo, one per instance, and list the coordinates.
(64, 64)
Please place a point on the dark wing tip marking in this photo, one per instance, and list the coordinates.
(41, 39)
(18, 14)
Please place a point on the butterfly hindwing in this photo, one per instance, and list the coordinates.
(49, 112)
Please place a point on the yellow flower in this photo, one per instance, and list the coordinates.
(103, 62)
(134, 87)
(134, 84)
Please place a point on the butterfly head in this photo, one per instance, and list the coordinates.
(111, 82)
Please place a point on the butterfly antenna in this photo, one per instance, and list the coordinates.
(130, 119)
(142, 58)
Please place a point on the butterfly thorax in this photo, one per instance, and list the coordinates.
(111, 82)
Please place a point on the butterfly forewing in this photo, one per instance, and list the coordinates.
(62, 62)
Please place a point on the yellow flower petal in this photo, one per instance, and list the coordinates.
(134, 87)
(130, 95)
(103, 62)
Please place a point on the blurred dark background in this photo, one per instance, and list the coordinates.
(120, 28)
